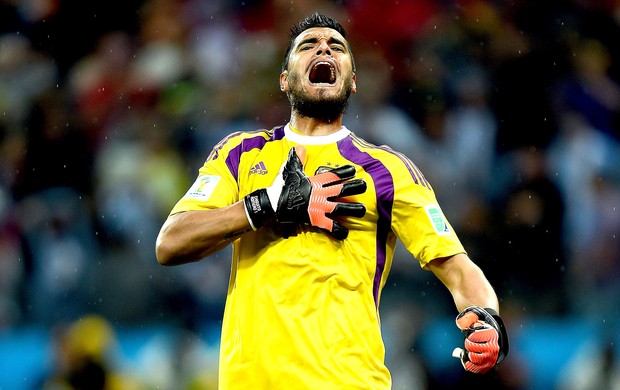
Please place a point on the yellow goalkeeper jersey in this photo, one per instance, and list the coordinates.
(303, 312)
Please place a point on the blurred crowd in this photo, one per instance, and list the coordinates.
(108, 108)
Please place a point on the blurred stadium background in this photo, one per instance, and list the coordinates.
(108, 108)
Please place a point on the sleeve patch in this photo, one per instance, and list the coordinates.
(437, 219)
(202, 188)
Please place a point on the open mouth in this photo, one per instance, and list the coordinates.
(323, 73)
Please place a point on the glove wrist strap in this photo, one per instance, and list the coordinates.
(503, 336)
(258, 208)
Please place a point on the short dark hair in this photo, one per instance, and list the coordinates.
(314, 20)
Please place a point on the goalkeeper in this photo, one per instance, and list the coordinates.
(313, 213)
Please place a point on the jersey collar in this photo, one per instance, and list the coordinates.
(315, 139)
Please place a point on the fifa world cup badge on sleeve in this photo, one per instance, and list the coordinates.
(202, 188)
(438, 221)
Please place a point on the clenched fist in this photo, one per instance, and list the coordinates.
(486, 341)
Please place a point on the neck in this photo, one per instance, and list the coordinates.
(313, 126)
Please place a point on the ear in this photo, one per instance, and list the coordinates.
(353, 83)
(284, 81)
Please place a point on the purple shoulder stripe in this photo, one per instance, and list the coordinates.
(414, 171)
(256, 142)
(384, 188)
(215, 152)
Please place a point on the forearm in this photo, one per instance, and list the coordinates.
(192, 235)
(466, 282)
(486, 340)
(476, 291)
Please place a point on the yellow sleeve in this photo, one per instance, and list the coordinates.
(418, 219)
(215, 186)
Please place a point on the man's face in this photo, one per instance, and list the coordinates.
(320, 76)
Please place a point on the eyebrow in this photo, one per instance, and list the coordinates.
(331, 40)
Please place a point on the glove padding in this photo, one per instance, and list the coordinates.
(307, 200)
(486, 340)
(313, 200)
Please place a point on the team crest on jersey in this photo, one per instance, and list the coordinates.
(202, 188)
(323, 168)
(438, 221)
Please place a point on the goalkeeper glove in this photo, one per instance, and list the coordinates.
(294, 198)
(486, 341)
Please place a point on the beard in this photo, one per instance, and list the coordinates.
(321, 107)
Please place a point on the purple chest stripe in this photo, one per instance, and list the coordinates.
(384, 188)
(234, 156)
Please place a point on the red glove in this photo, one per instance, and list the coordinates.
(486, 341)
(296, 199)
(318, 199)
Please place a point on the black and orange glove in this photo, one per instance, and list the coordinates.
(486, 340)
(296, 199)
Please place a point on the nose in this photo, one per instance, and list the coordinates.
(323, 48)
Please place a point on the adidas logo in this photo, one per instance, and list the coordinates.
(259, 168)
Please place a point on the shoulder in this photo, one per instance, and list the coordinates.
(386, 165)
(391, 158)
(243, 141)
